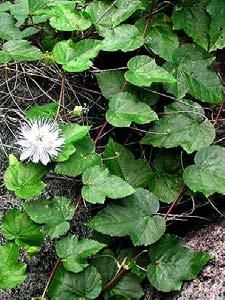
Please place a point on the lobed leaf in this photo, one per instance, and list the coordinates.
(207, 175)
(143, 70)
(76, 57)
(185, 125)
(12, 273)
(20, 10)
(16, 225)
(191, 68)
(99, 184)
(67, 285)
(8, 30)
(72, 133)
(216, 9)
(121, 162)
(125, 37)
(65, 18)
(106, 15)
(19, 50)
(47, 111)
(54, 214)
(124, 108)
(84, 158)
(159, 38)
(134, 216)
(192, 17)
(73, 252)
(171, 263)
(112, 82)
(24, 179)
(167, 180)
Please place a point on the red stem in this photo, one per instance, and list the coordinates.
(175, 201)
(219, 112)
(100, 132)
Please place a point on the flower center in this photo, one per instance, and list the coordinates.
(39, 138)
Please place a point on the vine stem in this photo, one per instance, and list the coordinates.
(179, 194)
(102, 129)
(114, 280)
(149, 19)
(50, 278)
(100, 132)
(220, 111)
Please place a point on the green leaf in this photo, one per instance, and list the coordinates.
(65, 153)
(17, 226)
(166, 181)
(216, 9)
(111, 83)
(106, 265)
(73, 252)
(159, 38)
(192, 17)
(8, 30)
(125, 37)
(72, 133)
(76, 57)
(124, 108)
(185, 125)
(143, 70)
(12, 273)
(29, 31)
(106, 15)
(121, 162)
(47, 111)
(133, 216)
(20, 10)
(191, 67)
(127, 286)
(208, 174)
(84, 158)
(172, 263)
(81, 286)
(54, 214)
(99, 184)
(24, 179)
(19, 50)
(5, 6)
(65, 17)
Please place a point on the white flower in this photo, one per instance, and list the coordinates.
(40, 140)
